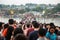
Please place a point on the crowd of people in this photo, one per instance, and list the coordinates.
(28, 31)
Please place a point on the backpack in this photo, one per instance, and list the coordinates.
(4, 33)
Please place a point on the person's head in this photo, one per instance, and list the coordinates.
(47, 26)
(41, 25)
(52, 30)
(17, 31)
(11, 21)
(20, 22)
(1, 25)
(6, 26)
(52, 24)
(34, 22)
(28, 25)
(36, 25)
(20, 37)
(57, 28)
(42, 32)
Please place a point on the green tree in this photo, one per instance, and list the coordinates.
(22, 11)
(56, 9)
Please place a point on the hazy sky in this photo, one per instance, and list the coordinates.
(18, 2)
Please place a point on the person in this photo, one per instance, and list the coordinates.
(47, 26)
(52, 24)
(41, 34)
(18, 31)
(11, 23)
(27, 26)
(1, 28)
(34, 34)
(15, 25)
(15, 32)
(4, 32)
(2, 38)
(28, 29)
(50, 34)
(57, 29)
(6, 26)
(9, 33)
(58, 34)
(20, 37)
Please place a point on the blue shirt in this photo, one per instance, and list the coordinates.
(33, 35)
(51, 36)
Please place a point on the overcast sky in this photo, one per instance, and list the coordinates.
(18, 2)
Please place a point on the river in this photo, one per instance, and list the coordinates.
(56, 21)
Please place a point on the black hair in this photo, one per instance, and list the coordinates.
(6, 26)
(20, 23)
(36, 25)
(9, 32)
(46, 25)
(18, 30)
(11, 21)
(52, 24)
(53, 27)
(20, 37)
(1, 25)
(42, 32)
(28, 25)
(34, 22)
